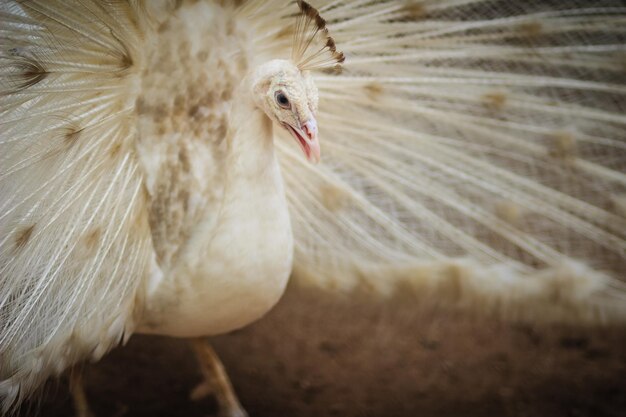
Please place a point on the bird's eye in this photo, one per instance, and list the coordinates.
(282, 100)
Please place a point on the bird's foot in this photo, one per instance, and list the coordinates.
(81, 405)
(215, 382)
(227, 408)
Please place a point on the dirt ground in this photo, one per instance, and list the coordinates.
(317, 355)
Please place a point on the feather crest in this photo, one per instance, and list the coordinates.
(311, 34)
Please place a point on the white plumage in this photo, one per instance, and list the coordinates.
(474, 149)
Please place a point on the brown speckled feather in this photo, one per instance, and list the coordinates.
(186, 91)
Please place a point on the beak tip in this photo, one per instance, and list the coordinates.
(314, 151)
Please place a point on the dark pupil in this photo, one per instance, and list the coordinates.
(282, 100)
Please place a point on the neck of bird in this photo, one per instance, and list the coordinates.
(253, 187)
(252, 172)
(250, 140)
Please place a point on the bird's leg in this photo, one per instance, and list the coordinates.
(216, 381)
(77, 388)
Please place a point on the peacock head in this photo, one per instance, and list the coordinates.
(285, 89)
(289, 97)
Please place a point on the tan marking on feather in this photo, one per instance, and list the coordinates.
(72, 136)
(202, 56)
(227, 94)
(23, 236)
(374, 90)
(92, 238)
(222, 129)
(285, 33)
(184, 49)
(333, 198)
(530, 29)
(30, 72)
(164, 27)
(494, 101)
(126, 61)
(414, 10)
(508, 211)
(336, 70)
(115, 150)
(140, 106)
(562, 145)
(242, 63)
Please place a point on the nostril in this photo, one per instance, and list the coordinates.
(310, 127)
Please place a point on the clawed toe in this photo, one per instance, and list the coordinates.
(202, 390)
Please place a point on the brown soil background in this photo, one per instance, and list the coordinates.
(321, 355)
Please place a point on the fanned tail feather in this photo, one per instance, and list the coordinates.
(474, 150)
(74, 239)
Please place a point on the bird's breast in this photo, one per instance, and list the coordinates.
(233, 277)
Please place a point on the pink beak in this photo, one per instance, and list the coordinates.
(306, 136)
